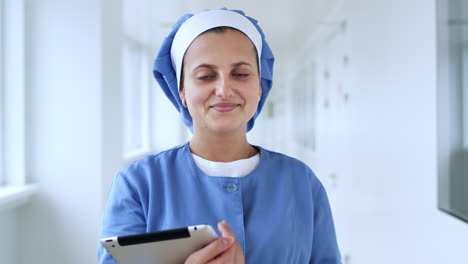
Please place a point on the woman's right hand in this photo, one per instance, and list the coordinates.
(225, 249)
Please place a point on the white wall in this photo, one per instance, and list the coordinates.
(394, 134)
(61, 224)
(8, 237)
(385, 194)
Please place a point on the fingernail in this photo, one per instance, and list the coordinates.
(221, 223)
(227, 240)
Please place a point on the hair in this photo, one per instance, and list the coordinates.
(218, 30)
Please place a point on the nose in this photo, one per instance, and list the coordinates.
(224, 87)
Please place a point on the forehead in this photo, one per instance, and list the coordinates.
(220, 45)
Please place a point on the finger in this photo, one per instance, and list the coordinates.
(228, 256)
(225, 230)
(236, 250)
(209, 252)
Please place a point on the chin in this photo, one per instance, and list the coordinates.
(227, 130)
(227, 127)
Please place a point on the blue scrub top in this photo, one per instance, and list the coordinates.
(279, 212)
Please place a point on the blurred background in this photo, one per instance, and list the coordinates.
(371, 94)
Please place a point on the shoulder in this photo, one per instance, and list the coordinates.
(280, 159)
(155, 159)
(295, 167)
(143, 169)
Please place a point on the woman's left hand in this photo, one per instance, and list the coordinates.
(232, 255)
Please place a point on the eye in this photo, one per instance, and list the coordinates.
(205, 77)
(241, 75)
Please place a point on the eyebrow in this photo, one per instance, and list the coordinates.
(237, 64)
(211, 66)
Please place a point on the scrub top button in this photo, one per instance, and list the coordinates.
(231, 187)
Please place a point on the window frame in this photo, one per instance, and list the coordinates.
(142, 79)
(14, 189)
(13, 87)
(2, 103)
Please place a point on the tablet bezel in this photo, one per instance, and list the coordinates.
(171, 246)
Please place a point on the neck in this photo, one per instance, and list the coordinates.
(221, 148)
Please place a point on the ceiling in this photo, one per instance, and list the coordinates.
(286, 24)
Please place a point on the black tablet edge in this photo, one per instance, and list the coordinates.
(153, 236)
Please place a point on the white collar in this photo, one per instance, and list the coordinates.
(237, 168)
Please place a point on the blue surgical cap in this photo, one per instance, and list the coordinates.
(166, 76)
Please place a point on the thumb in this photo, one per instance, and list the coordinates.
(225, 229)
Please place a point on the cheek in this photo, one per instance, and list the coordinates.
(253, 93)
(197, 97)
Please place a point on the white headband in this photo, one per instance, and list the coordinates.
(204, 21)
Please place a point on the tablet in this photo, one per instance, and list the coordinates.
(172, 246)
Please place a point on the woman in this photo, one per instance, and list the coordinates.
(216, 68)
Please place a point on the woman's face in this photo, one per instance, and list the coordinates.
(221, 85)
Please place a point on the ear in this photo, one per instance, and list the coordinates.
(182, 96)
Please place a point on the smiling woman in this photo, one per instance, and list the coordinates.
(216, 68)
(222, 87)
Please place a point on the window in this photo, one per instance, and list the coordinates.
(452, 35)
(13, 188)
(12, 91)
(136, 98)
(2, 103)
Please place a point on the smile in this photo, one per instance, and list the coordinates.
(225, 107)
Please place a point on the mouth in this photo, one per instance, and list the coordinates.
(225, 107)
